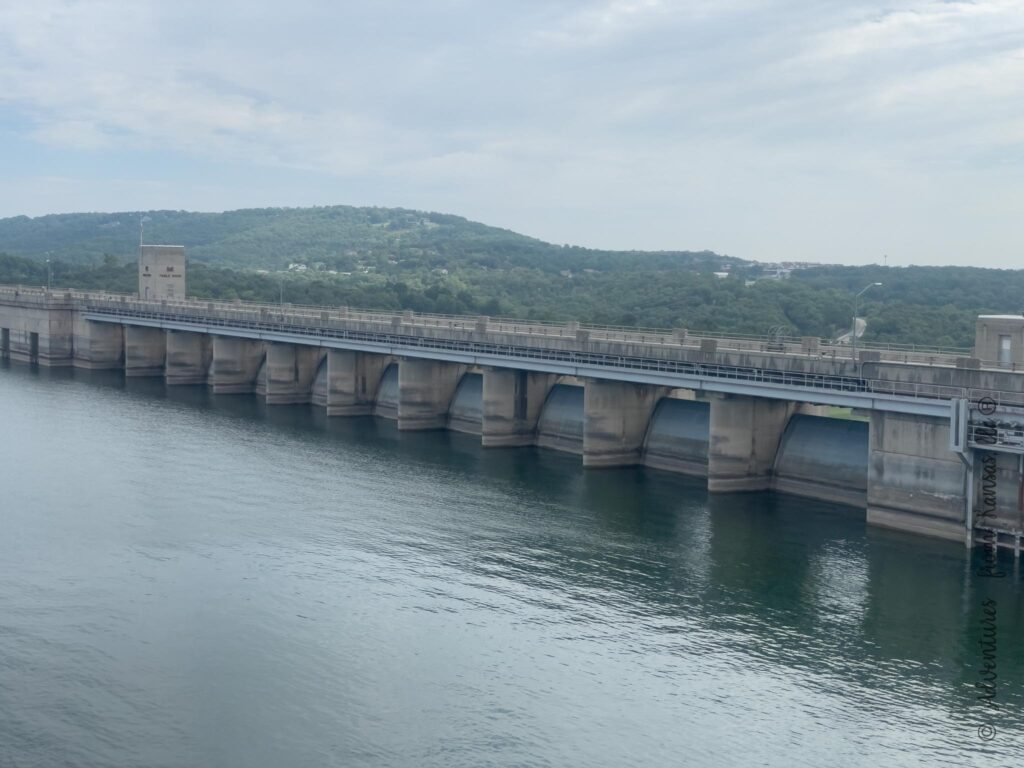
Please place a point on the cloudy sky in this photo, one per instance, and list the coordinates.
(826, 130)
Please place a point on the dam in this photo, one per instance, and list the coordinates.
(747, 414)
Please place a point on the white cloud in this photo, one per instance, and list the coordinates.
(630, 123)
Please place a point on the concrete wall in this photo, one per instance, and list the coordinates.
(385, 401)
(97, 346)
(235, 365)
(425, 390)
(466, 411)
(745, 434)
(512, 402)
(347, 382)
(987, 331)
(188, 357)
(915, 482)
(145, 351)
(288, 372)
(823, 458)
(39, 335)
(162, 272)
(678, 436)
(999, 491)
(615, 419)
(560, 426)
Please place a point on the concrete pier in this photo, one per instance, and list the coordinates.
(39, 335)
(615, 419)
(745, 434)
(346, 382)
(188, 358)
(512, 402)
(915, 483)
(425, 389)
(234, 365)
(145, 351)
(289, 371)
(98, 346)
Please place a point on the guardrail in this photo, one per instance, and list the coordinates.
(390, 331)
(810, 346)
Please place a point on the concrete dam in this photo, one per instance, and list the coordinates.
(936, 429)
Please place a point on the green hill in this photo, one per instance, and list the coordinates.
(343, 238)
(428, 262)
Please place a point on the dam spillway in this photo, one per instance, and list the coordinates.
(722, 408)
(678, 436)
(561, 421)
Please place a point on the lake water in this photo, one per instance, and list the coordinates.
(189, 580)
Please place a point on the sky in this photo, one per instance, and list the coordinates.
(820, 130)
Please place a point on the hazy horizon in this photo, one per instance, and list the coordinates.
(839, 133)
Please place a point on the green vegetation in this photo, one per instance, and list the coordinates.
(428, 262)
(836, 412)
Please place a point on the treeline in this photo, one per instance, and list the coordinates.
(814, 302)
(393, 258)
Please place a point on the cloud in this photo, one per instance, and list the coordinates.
(631, 123)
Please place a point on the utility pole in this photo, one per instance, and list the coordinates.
(853, 330)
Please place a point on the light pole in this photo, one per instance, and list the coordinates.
(856, 299)
(49, 272)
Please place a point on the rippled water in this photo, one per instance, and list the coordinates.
(188, 580)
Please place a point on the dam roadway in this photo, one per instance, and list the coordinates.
(748, 413)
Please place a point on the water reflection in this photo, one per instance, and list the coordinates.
(526, 567)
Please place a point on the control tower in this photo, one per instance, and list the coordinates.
(162, 271)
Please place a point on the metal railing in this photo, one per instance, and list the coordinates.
(384, 330)
(726, 342)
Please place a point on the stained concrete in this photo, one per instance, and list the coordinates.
(145, 351)
(188, 357)
(346, 382)
(615, 419)
(235, 365)
(425, 389)
(745, 434)
(512, 403)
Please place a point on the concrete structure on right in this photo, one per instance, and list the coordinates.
(999, 339)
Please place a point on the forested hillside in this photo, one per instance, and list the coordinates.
(393, 258)
(341, 238)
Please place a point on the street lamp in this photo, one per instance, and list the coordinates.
(49, 272)
(856, 299)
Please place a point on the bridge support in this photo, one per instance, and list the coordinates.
(744, 437)
(915, 482)
(615, 419)
(425, 389)
(512, 402)
(145, 351)
(188, 357)
(39, 335)
(346, 382)
(290, 371)
(234, 365)
(98, 346)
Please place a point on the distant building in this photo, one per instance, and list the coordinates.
(162, 271)
(999, 339)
